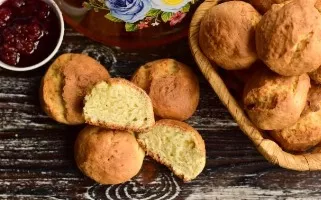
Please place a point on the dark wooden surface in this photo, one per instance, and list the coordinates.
(36, 153)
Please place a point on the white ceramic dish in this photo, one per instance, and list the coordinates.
(61, 35)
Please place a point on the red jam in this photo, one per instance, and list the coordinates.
(29, 32)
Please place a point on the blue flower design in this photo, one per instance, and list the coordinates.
(129, 11)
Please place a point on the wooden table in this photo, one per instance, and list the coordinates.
(36, 153)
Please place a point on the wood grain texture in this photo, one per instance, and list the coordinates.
(36, 153)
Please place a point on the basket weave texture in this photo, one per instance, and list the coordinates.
(267, 147)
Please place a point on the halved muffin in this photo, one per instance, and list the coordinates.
(119, 104)
(177, 145)
(65, 85)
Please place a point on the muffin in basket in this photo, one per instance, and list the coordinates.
(264, 5)
(226, 35)
(280, 97)
(306, 132)
(288, 38)
(274, 102)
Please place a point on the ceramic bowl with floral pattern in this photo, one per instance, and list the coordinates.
(130, 23)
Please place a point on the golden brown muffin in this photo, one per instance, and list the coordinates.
(264, 5)
(274, 102)
(227, 34)
(108, 156)
(288, 38)
(65, 84)
(176, 145)
(306, 132)
(172, 87)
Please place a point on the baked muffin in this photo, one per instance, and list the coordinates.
(176, 145)
(108, 156)
(172, 87)
(65, 85)
(274, 102)
(227, 32)
(306, 132)
(288, 38)
(119, 104)
(264, 5)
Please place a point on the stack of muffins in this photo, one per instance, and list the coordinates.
(120, 115)
(274, 48)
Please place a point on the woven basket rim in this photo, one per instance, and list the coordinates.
(268, 148)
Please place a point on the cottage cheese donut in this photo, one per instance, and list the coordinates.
(306, 132)
(227, 35)
(264, 5)
(118, 104)
(288, 38)
(108, 156)
(65, 84)
(274, 102)
(172, 87)
(177, 145)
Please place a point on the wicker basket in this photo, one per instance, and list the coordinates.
(267, 147)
